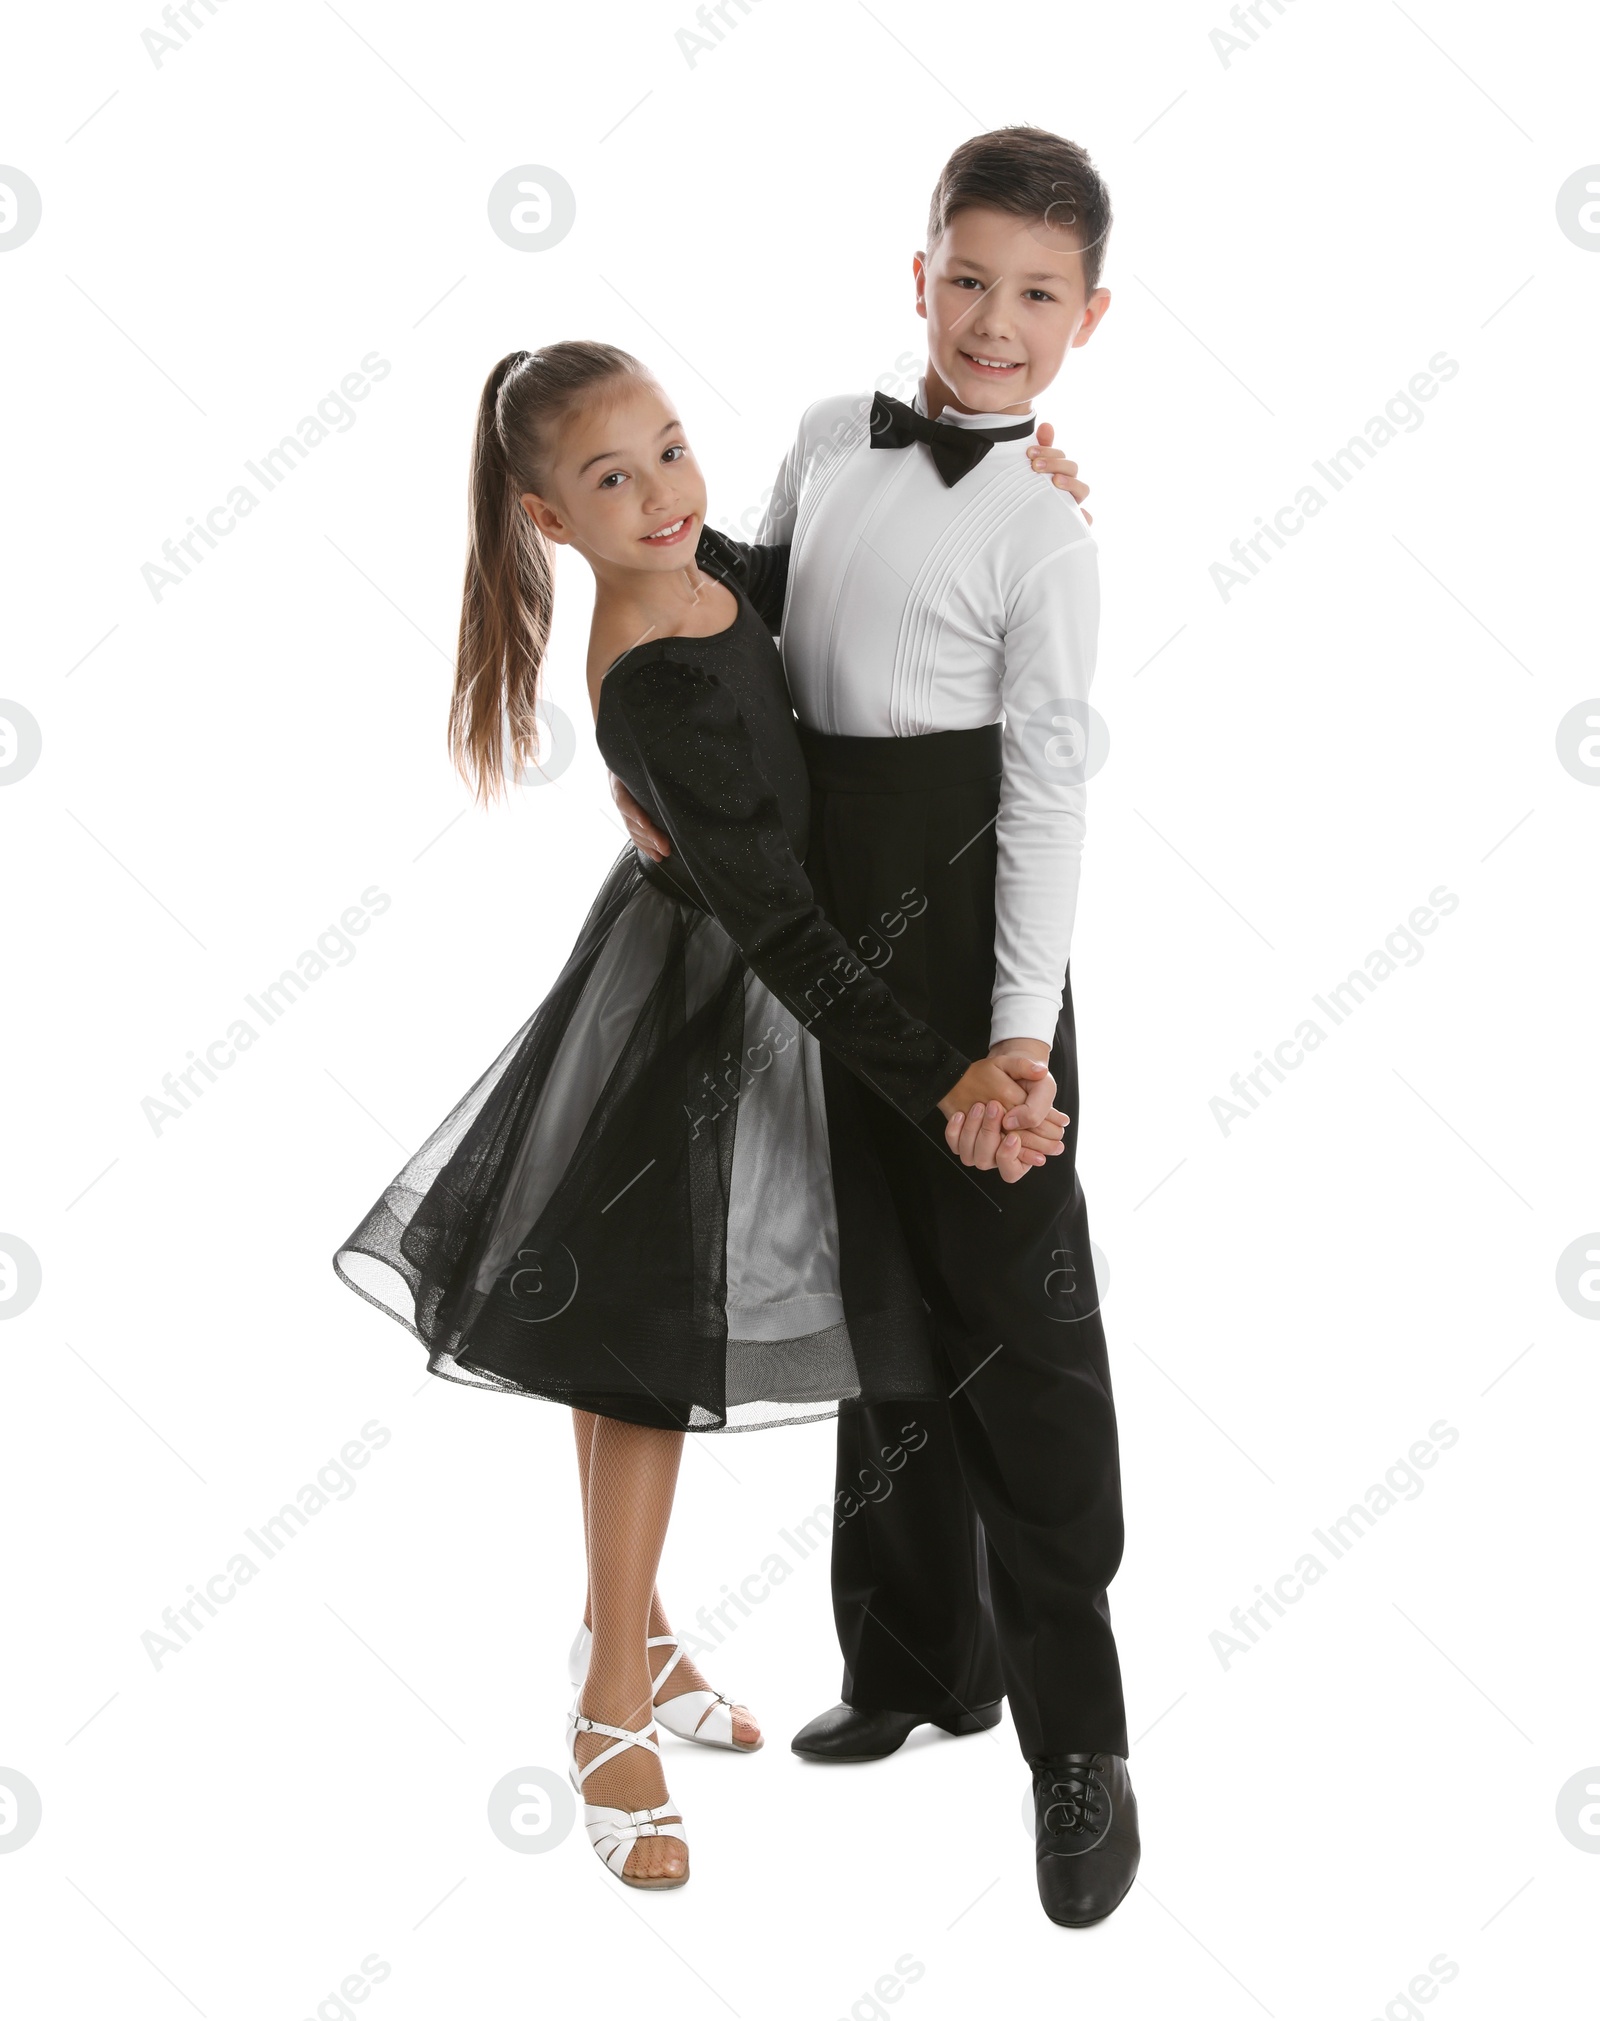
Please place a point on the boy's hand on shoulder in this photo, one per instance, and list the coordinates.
(1053, 463)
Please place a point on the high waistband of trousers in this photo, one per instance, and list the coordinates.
(901, 764)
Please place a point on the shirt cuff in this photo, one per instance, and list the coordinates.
(1018, 1016)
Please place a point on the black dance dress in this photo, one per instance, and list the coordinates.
(632, 1209)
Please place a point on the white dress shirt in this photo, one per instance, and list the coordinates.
(916, 606)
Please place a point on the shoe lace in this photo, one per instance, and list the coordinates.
(1078, 1796)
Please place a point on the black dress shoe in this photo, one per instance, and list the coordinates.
(845, 1734)
(1086, 1835)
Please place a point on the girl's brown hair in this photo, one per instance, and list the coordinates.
(506, 598)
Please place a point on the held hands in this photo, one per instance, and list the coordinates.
(1052, 463)
(999, 1116)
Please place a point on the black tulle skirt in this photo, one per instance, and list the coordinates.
(632, 1209)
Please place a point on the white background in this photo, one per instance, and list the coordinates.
(1292, 1303)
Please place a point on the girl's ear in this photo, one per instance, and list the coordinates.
(546, 518)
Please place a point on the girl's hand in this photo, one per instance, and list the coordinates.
(1053, 463)
(976, 1108)
(973, 1109)
(641, 829)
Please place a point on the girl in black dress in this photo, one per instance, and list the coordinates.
(631, 1211)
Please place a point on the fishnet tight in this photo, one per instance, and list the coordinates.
(627, 1477)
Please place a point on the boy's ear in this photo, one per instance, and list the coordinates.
(919, 273)
(1093, 316)
(546, 518)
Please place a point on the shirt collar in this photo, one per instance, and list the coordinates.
(957, 419)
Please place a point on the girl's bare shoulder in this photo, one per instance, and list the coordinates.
(711, 608)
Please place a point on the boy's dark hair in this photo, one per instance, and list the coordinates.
(1032, 174)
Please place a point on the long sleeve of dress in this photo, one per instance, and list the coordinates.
(762, 572)
(680, 728)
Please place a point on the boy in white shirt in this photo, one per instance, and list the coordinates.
(939, 640)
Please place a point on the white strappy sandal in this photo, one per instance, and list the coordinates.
(612, 1832)
(703, 1716)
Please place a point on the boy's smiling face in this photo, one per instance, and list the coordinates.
(1004, 300)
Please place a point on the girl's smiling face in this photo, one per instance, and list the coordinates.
(623, 486)
(1004, 301)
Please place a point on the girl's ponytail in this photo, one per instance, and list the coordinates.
(505, 608)
(508, 593)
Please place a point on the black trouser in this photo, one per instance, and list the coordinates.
(983, 1564)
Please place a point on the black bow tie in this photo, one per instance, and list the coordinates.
(955, 450)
